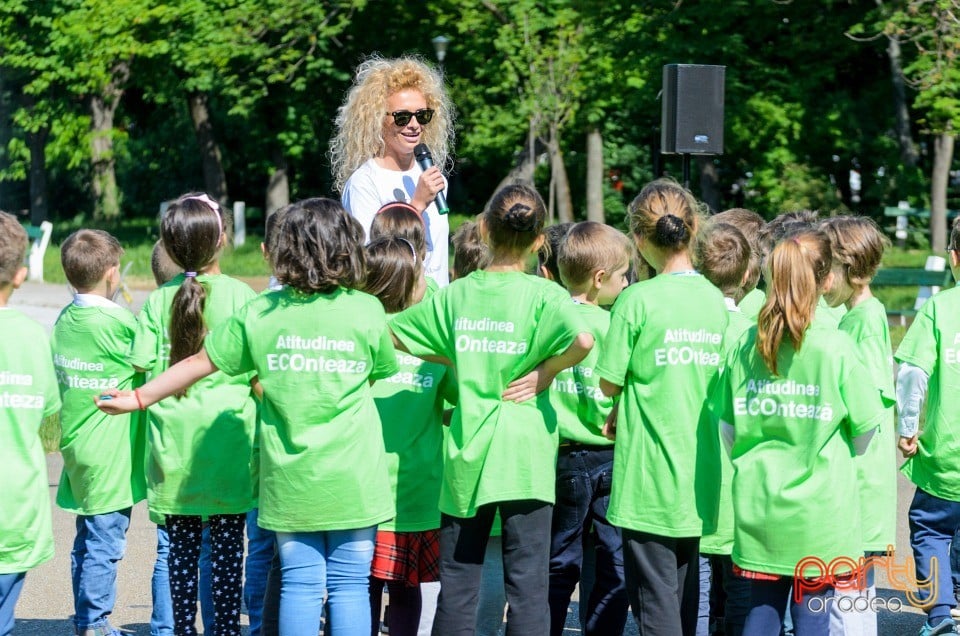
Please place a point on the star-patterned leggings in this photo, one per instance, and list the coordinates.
(226, 557)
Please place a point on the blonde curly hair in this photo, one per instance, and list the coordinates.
(359, 119)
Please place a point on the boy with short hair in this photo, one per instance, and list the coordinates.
(28, 395)
(103, 460)
(593, 260)
(725, 258)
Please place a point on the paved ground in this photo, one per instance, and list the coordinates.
(46, 603)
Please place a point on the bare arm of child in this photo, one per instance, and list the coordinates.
(256, 387)
(609, 388)
(398, 345)
(610, 424)
(526, 387)
(174, 380)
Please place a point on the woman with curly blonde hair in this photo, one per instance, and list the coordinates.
(394, 105)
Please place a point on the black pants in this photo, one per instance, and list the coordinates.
(226, 558)
(663, 582)
(526, 554)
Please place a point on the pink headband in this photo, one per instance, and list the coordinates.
(400, 204)
(210, 203)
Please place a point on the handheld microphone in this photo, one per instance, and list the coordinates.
(425, 159)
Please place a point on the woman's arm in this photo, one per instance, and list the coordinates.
(542, 376)
(174, 380)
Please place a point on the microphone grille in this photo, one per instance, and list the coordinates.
(421, 150)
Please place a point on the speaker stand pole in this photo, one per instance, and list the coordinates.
(686, 171)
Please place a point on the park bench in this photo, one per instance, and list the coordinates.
(903, 213)
(929, 280)
(39, 240)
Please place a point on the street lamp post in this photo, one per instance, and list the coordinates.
(440, 44)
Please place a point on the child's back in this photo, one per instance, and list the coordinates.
(494, 327)
(103, 457)
(197, 468)
(28, 394)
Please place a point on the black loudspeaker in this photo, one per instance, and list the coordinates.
(692, 119)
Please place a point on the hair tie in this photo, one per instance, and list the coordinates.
(413, 250)
(519, 218)
(190, 274)
(796, 240)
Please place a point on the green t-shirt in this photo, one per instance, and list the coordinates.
(322, 460)
(876, 469)
(829, 316)
(199, 446)
(575, 393)
(751, 304)
(794, 480)
(664, 348)
(494, 327)
(932, 343)
(28, 394)
(410, 404)
(721, 541)
(102, 454)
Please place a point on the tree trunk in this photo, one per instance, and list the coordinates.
(939, 179)
(39, 201)
(909, 154)
(558, 175)
(278, 188)
(709, 187)
(105, 194)
(103, 107)
(595, 175)
(6, 133)
(214, 178)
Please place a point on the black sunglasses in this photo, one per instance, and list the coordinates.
(402, 117)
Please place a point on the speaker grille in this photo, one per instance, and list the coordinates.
(692, 115)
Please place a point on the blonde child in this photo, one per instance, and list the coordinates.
(593, 260)
(315, 346)
(28, 395)
(662, 352)
(410, 404)
(928, 360)
(857, 245)
(507, 334)
(198, 444)
(102, 474)
(725, 258)
(794, 400)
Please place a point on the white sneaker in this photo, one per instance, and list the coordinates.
(955, 613)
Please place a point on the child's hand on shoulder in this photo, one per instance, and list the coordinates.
(908, 446)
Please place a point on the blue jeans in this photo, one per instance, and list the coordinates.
(933, 524)
(10, 587)
(768, 605)
(583, 495)
(161, 618)
(337, 561)
(955, 563)
(260, 549)
(724, 597)
(97, 550)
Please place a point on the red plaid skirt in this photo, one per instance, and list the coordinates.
(410, 557)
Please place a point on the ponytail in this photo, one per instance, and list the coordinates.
(799, 266)
(191, 230)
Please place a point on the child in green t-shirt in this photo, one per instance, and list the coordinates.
(928, 357)
(661, 353)
(857, 245)
(794, 404)
(315, 345)
(547, 254)
(410, 404)
(507, 334)
(470, 253)
(593, 260)
(28, 395)
(725, 258)
(199, 444)
(102, 474)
